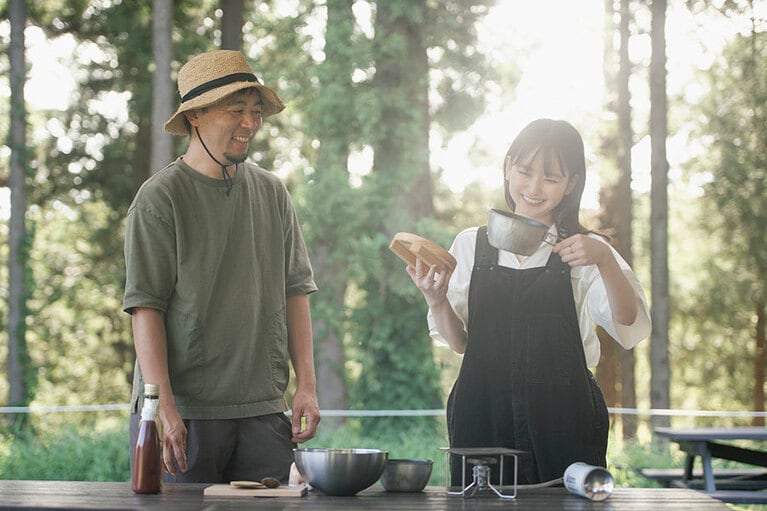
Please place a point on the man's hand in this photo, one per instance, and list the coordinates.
(306, 416)
(173, 440)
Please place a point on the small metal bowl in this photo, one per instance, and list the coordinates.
(340, 471)
(406, 475)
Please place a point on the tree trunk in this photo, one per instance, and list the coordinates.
(332, 121)
(759, 362)
(402, 76)
(625, 218)
(617, 203)
(18, 244)
(231, 24)
(759, 333)
(327, 329)
(162, 85)
(608, 369)
(659, 345)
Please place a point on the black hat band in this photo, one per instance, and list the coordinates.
(218, 82)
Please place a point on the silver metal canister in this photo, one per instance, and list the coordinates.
(594, 483)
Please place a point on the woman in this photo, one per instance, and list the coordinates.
(527, 325)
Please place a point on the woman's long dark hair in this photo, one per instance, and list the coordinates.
(560, 140)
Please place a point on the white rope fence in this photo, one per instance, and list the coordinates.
(69, 408)
(393, 413)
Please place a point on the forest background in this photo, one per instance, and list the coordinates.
(398, 117)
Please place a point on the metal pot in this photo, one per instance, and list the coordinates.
(517, 234)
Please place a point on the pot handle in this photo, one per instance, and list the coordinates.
(551, 239)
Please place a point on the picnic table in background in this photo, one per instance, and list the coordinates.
(735, 485)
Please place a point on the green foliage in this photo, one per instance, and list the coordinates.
(737, 127)
(386, 350)
(277, 46)
(92, 154)
(75, 307)
(627, 461)
(720, 303)
(461, 73)
(76, 452)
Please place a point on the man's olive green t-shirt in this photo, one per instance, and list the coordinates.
(220, 267)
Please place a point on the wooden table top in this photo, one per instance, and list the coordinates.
(744, 433)
(96, 495)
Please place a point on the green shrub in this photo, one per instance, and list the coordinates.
(73, 454)
(626, 463)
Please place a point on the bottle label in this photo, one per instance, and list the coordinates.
(149, 410)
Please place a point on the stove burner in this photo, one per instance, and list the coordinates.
(481, 458)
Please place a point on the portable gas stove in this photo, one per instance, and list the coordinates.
(481, 458)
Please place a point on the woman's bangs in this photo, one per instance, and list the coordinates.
(553, 164)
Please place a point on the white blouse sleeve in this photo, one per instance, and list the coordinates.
(463, 248)
(598, 305)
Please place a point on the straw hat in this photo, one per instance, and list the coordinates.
(209, 77)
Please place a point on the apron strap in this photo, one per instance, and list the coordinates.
(485, 255)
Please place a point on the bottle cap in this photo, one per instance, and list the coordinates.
(151, 389)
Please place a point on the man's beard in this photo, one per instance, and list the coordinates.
(236, 158)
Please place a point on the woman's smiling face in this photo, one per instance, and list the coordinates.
(536, 185)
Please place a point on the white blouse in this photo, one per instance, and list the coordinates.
(591, 302)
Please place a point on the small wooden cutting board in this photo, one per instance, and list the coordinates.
(410, 246)
(227, 490)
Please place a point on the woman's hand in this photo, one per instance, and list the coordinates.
(433, 284)
(582, 250)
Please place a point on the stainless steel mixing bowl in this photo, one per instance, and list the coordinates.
(406, 475)
(340, 471)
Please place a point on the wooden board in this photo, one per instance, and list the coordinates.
(227, 490)
(410, 246)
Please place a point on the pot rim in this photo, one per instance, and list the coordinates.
(340, 450)
(513, 216)
(416, 461)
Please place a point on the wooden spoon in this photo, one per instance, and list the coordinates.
(248, 484)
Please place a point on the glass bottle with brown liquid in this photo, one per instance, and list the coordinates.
(147, 454)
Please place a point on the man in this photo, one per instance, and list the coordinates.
(217, 284)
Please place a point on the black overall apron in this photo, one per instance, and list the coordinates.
(524, 383)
